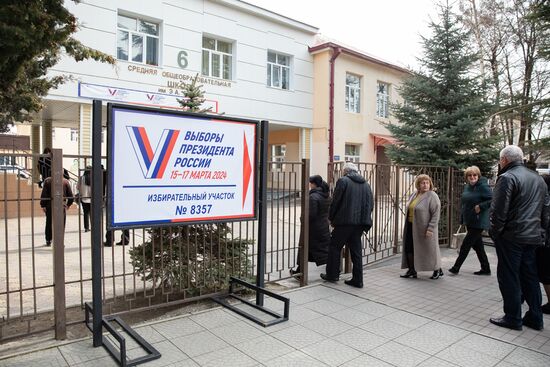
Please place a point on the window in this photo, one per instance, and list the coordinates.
(278, 70)
(278, 153)
(353, 93)
(74, 135)
(137, 40)
(382, 98)
(351, 153)
(7, 160)
(217, 58)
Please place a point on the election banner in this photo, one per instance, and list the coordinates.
(137, 97)
(169, 167)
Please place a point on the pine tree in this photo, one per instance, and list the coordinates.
(194, 97)
(443, 119)
(34, 34)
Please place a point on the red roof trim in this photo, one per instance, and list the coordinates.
(357, 54)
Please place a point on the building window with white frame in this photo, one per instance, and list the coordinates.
(278, 70)
(74, 134)
(137, 40)
(278, 153)
(353, 93)
(382, 100)
(351, 153)
(217, 58)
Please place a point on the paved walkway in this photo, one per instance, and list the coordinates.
(390, 322)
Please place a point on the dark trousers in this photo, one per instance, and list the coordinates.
(86, 209)
(517, 277)
(49, 222)
(124, 238)
(473, 240)
(350, 236)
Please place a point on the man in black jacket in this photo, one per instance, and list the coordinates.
(519, 212)
(350, 215)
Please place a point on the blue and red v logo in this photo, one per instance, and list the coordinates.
(153, 164)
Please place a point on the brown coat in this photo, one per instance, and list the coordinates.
(426, 249)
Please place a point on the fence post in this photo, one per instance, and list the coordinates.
(304, 233)
(449, 204)
(396, 203)
(58, 224)
(262, 211)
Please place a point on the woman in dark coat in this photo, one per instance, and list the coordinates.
(45, 166)
(474, 214)
(543, 261)
(319, 234)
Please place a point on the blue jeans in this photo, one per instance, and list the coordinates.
(517, 277)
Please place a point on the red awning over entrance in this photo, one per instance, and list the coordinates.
(380, 140)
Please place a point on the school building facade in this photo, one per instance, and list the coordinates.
(324, 100)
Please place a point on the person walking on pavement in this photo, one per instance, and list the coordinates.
(474, 214)
(85, 196)
(421, 232)
(519, 212)
(350, 214)
(319, 232)
(46, 203)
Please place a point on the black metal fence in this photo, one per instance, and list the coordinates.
(392, 187)
(158, 267)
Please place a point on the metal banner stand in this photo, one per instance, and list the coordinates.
(95, 309)
(262, 236)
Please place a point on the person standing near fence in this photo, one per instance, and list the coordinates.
(350, 214)
(46, 203)
(474, 214)
(421, 232)
(518, 213)
(45, 166)
(125, 237)
(85, 195)
(319, 233)
(543, 259)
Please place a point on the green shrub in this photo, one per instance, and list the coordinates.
(193, 258)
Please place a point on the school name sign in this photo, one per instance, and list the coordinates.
(168, 167)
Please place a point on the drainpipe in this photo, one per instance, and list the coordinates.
(335, 52)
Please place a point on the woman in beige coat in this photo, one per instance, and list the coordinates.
(420, 237)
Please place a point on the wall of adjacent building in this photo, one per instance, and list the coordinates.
(349, 127)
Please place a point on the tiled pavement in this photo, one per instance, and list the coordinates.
(390, 322)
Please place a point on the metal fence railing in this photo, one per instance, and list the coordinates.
(158, 267)
(392, 186)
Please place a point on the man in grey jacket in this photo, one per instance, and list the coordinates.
(350, 214)
(519, 212)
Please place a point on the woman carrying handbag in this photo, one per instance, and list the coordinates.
(475, 203)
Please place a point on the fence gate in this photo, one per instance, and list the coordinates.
(392, 185)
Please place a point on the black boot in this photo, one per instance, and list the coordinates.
(409, 274)
(437, 274)
(483, 272)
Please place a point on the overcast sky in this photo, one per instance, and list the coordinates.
(389, 29)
